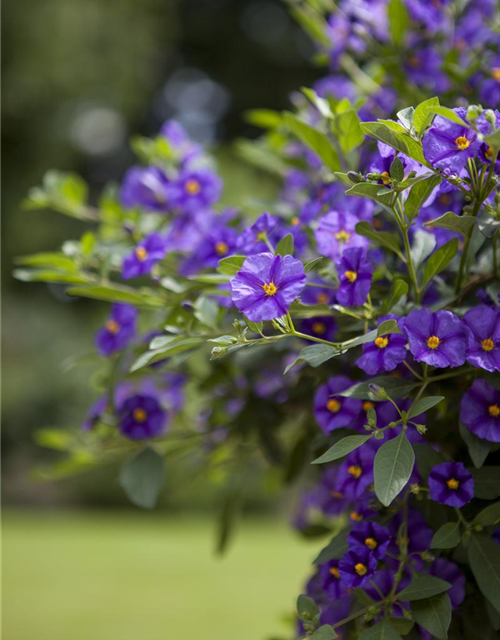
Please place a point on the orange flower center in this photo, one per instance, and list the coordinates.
(141, 254)
(382, 342)
(357, 517)
(489, 153)
(354, 470)
(295, 221)
(335, 572)
(495, 72)
(352, 276)
(452, 483)
(371, 543)
(319, 328)
(433, 342)
(112, 326)
(367, 405)
(360, 569)
(192, 187)
(494, 410)
(386, 178)
(333, 405)
(462, 143)
(322, 298)
(140, 415)
(270, 288)
(488, 344)
(221, 248)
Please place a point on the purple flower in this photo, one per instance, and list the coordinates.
(177, 137)
(355, 275)
(482, 326)
(253, 238)
(336, 232)
(195, 190)
(424, 69)
(371, 536)
(119, 329)
(145, 187)
(323, 327)
(357, 567)
(449, 145)
(142, 417)
(148, 252)
(384, 353)
(219, 242)
(490, 91)
(450, 483)
(267, 285)
(480, 411)
(335, 412)
(314, 294)
(330, 580)
(355, 474)
(435, 338)
(449, 571)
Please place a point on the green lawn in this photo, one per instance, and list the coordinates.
(121, 576)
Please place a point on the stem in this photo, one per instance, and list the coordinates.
(409, 260)
(351, 617)
(465, 250)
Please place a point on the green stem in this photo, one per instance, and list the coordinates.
(351, 617)
(409, 260)
(465, 250)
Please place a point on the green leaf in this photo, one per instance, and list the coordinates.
(419, 194)
(315, 355)
(341, 448)
(172, 345)
(423, 405)
(231, 265)
(335, 549)
(321, 104)
(423, 114)
(381, 631)
(489, 515)
(486, 482)
(117, 293)
(383, 238)
(285, 246)
(422, 247)
(142, 478)
(478, 449)
(313, 263)
(439, 260)
(206, 311)
(399, 141)
(50, 260)
(423, 586)
(488, 225)
(393, 467)
(398, 290)
(325, 632)
(315, 140)
(493, 139)
(264, 118)
(447, 536)
(449, 114)
(49, 275)
(226, 524)
(312, 22)
(395, 387)
(397, 170)
(484, 560)
(348, 130)
(370, 190)
(307, 609)
(402, 625)
(398, 20)
(433, 614)
(427, 458)
(450, 220)
(406, 117)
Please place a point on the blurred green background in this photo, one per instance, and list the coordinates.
(79, 77)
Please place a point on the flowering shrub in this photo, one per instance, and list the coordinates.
(354, 325)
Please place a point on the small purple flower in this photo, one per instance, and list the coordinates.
(253, 238)
(315, 294)
(480, 411)
(145, 187)
(355, 474)
(142, 417)
(148, 252)
(424, 69)
(482, 326)
(371, 536)
(384, 353)
(323, 327)
(355, 275)
(330, 580)
(336, 232)
(119, 329)
(435, 338)
(448, 145)
(357, 567)
(195, 190)
(267, 285)
(335, 412)
(450, 483)
(490, 90)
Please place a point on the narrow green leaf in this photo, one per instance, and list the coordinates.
(449, 114)
(450, 220)
(264, 118)
(422, 247)
(447, 536)
(398, 20)
(439, 260)
(489, 515)
(370, 190)
(484, 560)
(335, 549)
(381, 631)
(395, 387)
(315, 355)
(341, 448)
(231, 265)
(117, 293)
(142, 478)
(307, 609)
(399, 141)
(398, 290)
(393, 467)
(423, 114)
(433, 614)
(172, 348)
(423, 405)
(325, 632)
(348, 130)
(478, 449)
(423, 586)
(285, 246)
(419, 194)
(383, 238)
(397, 170)
(315, 140)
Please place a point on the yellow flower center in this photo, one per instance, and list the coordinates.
(270, 288)
(112, 326)
(141, 254)
(445, 199)
(382, 342)
(295, 221)
(371, 543)
(140, 415)
(192, 187)
(386, 178)
(322, 298)
(495, 72)
(337, 494)
(221, 248)
(489, 153)
(357, 517)
(343, 236)
(333, 405)
(367, 405)
(488, 344)
(452, 483)
(433, 342)
(354, 470)
(335, 572)
(494, 410)
(319, 328)
(360, 569)
(462, 143)
(352, 276)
